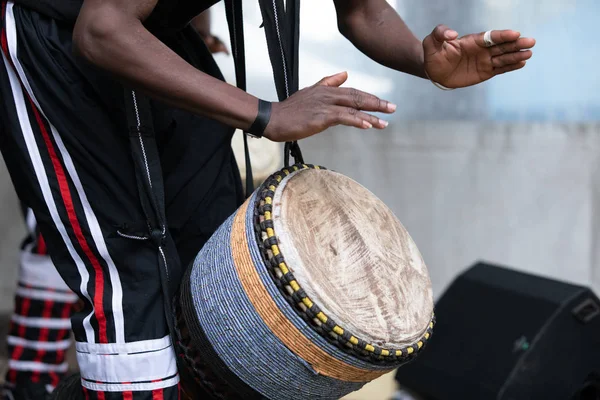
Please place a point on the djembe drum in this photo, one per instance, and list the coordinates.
(310, 290)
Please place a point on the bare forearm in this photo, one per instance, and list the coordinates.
(127, 50)
(377, 30)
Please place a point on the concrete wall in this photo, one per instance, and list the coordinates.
(11, 234)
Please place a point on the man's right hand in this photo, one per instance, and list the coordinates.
(323, 105)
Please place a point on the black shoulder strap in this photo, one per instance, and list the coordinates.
(293, 23)
(282, 30)
(235, 20)
(277, 32)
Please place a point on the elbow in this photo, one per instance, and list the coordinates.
(87, 41)
(344, 25)
(93, 38)
(362, 16)
(350, 22)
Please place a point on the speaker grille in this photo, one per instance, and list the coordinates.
(486, 321)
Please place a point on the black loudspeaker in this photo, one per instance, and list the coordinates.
(506, 335)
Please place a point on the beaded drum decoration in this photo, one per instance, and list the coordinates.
(309, 291)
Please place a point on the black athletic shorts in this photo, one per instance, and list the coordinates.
(64, 138)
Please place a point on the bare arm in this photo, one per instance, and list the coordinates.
(110, 35)
(377, 30)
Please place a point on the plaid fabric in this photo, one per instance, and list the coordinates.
(39, 333)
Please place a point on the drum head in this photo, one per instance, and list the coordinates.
(353, 257)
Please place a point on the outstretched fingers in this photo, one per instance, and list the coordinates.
(348, 116)
(511, 58)
(349, 106)
(359, 100)
(511, 47)
(509, 68)
(497, 37)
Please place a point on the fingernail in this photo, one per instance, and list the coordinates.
(391, 107)
(384, 123)
(367, 124)
(451, 34)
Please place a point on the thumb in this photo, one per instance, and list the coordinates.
(221, 48)
(333, 80)
(442, 33)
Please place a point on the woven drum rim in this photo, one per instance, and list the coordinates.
(292, 291)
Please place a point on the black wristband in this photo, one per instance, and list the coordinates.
(262, 119)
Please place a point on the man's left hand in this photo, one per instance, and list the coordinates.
(215, 45)
(458, 62)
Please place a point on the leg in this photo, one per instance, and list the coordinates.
(70, 160)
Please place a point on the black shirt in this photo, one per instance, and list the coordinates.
(167, 15)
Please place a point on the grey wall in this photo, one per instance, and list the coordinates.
(11, 234)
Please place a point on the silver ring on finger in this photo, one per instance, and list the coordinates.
(487, 39)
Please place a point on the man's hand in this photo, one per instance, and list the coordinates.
(458, 62)
(202, 24)
(215, 44)
(323, 105)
